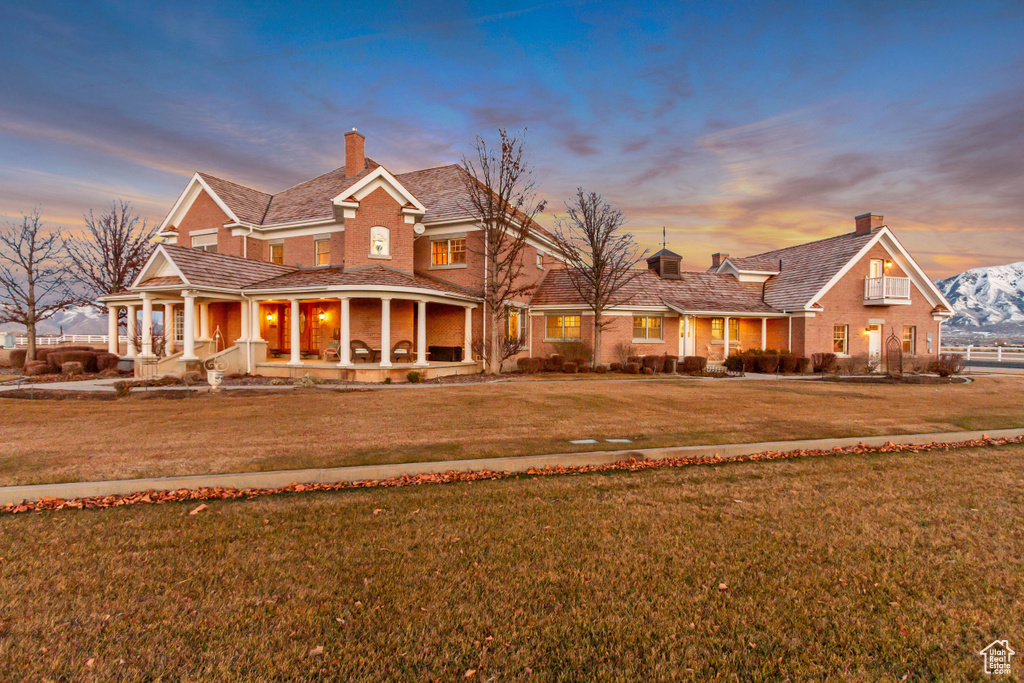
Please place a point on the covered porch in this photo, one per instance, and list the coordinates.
(716, 335)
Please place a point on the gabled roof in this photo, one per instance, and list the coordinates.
(808, 268)
(311, 200)
(247, 204)
(752, 264)
(693, 292)
(198, 268)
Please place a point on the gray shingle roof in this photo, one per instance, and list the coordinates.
(205, 269)
(806, 268)
(692, 292)
(369, 276)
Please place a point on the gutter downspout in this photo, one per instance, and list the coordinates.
(248, 340)
(245, 243)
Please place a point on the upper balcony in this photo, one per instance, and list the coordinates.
(886, 291)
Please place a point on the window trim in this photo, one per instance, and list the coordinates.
(846, 340)
(178, 325)
(447, 240)
(912, 340)
(871, 267)
(387, 241)
(317, 254)
(270, 250)
(520, 315)
(647, 338)
(204, 241)
(734, 329)
(540, 259)
(562, 327)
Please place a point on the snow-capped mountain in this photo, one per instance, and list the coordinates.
(75, 320)
(987, 298)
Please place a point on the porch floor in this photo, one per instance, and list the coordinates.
(363, 372)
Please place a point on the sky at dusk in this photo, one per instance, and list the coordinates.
(740, 127)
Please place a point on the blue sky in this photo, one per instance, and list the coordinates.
(739, 126)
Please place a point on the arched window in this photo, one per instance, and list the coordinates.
(380, 241)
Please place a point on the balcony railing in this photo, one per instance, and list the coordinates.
(887, 288)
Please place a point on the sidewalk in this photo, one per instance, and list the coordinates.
(283, 478)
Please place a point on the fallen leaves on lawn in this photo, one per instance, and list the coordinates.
(317, 651)
(633, 464)
(196, 510)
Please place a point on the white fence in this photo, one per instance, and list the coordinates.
(999, 354)
(91, 339)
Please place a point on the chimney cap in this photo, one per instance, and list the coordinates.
(355, 132)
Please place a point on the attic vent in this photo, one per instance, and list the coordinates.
(669, 267)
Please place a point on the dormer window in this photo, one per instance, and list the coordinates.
(540, 260)
(380, 242)
(206, 243)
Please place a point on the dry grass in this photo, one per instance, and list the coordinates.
(139, 436)
(880, 567)
(8, 378)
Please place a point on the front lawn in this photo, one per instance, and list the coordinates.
(51, 440)
(859, 567)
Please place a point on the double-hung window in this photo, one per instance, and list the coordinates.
(841, 339)
(277, 253)
(909, 339)
(514, 330)
(647, 327)
(179, 324)
(323, 252)
(448, 252)
(206, 243)
(718, 329)
(562, 327)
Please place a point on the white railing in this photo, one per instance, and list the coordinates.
(999, 354)
(886, 287)
(55, 340)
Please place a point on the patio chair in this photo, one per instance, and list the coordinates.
(332, 349)
(401, 352)
(361, 350)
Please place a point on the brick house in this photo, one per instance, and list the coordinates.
(845, 294)
(363, 274)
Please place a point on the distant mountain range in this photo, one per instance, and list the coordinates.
(988, 301)
(76, 320)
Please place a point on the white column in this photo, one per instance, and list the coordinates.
(132, 325)
(467, 341)
(385, 333)
(112, 342)
(421, 334)
(296, 341)
(147, 326)
(725, 337)
(764, 333)
(344, 350)
(204, 321)
(169, 328)
(245, 320)
(254, 330)
(189, 333)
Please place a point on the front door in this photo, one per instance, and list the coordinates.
(875, 343)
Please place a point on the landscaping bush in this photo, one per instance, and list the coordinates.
(86, 358)
(671, 363)
(570, 368)
(109, 373)
(632, 368)
(578, 352)
(71, 368)
(555, 363)
(585, 368)
(823, 362)
(788, 363)
(648, 370)
(414, 377)
(639, 360)
(735, 362)
(694, 364)
(602, 369)
(122, 388)
(194, 377)
(623, 352)
(767, 363)
(18, 358)
(948, 364)
(803, 365)
(854, 365)
(37, 367)
(106, 361)
(615, 367)
(529, 365)
(654, 363)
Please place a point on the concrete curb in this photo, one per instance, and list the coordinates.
(282, 478)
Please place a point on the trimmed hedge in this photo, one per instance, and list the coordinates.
(948, 364)
(648, 371)
(654, 363)
(530, 365)
(823, 362)
(615, 367)
(632, 368)
(71, 368)
(37, 367)
(18, 358)
(106, 361)
(570, 368)
(671, 363)
(555, 363)
(602, 369)
(803, 365)
(87, 358)
(694, 364)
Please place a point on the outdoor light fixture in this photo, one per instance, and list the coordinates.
(323, 315)
(888, 264)
(270, 318)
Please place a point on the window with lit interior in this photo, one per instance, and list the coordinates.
(450, 252)
(647, 327)
(562, 327)
(840, 339)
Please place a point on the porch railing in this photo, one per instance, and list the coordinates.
(885, 287)
(55, 340)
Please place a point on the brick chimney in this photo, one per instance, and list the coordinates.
(866, 222)
(355, 154)
(718, 259)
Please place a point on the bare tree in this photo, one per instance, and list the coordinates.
(34, 275)
(503, 196)
(109, 255)
(600, 260)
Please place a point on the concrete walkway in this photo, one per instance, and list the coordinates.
(282, 478)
